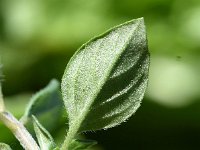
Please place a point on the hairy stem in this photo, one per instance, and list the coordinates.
(20, 132)
(17, 128)
(70, 135)
(2, 106)
(67, 141)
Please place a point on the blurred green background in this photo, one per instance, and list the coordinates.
(38, 37)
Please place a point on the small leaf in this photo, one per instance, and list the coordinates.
(45, 140)
(105, 80)
(81, 144)
(4, 146)
(44, 105)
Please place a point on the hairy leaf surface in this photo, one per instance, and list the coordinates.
(105, 80)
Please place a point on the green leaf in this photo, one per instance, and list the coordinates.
(4, 146)
(105, 80)
(44, 105)
(45, 140)
(77, 144)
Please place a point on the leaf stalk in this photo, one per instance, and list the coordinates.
(20, 132)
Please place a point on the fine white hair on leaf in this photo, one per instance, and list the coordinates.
(104, 82)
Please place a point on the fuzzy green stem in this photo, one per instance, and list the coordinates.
(70, 135)
(20, 132)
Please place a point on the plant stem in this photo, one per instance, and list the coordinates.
(70, 135)
(20, 132)
(2, 106)
(17, 128)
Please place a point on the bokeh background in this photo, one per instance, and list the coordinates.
(38, 37)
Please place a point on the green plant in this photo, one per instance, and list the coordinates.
(102, 86)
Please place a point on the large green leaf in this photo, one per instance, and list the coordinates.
(105, 80)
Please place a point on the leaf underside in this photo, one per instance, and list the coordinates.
(45, 104)
(105, 80)
(44, 138)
